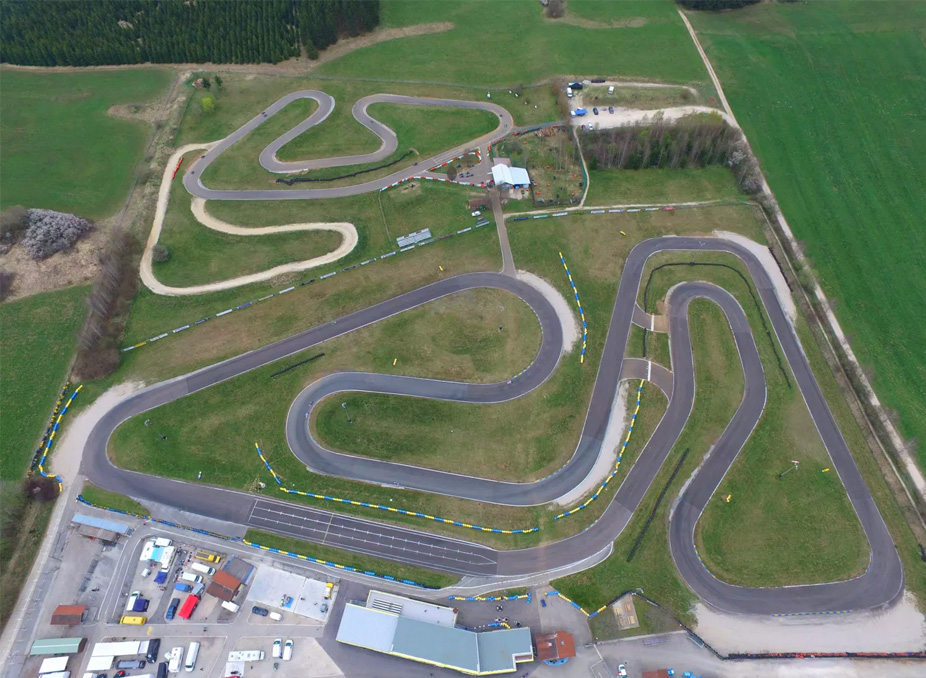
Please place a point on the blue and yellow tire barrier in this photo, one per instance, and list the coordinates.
(51, 439)
(617, 464)
(267, 464)
(37, 455)
(390, 509)
(346, 568)
(248, 304)
(575, 293)
(581, 609)
(493, 599)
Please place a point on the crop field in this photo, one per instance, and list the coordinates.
(60, 148)
(830, 95)
(651, 37)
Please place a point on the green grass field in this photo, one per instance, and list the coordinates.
(61, 150)
(38, 342)
(830, 95)
(201, 255)
(651, 44)
(649, 186)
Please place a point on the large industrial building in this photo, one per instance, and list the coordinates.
(428, 633)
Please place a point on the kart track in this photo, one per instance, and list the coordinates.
(881, 584)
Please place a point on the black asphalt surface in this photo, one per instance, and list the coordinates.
(192, 179)
(880, 585)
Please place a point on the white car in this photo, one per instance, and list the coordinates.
(288, 650)
(622, 671)
(572, 113)
(477, 213)
(277, 648)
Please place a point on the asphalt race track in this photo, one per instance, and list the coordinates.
(880, 585)
(192, 179)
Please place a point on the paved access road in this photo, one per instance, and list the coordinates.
(881, 584)
(192, 180)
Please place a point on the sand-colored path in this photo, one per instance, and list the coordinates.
(347, 230)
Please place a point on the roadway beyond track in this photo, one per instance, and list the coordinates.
(881, 584)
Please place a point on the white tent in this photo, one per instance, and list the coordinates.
(511, 176)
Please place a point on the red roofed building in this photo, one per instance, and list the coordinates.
(68, 615)
(553, 647)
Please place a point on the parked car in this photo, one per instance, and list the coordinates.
(581, 111)
(180, 586)
(572, 114)
(622, 671)
(610, 109)
(145, 572)
(260, 611)
(154, 647)
(172, 608)
(576, 85)
(595, 110)
(288, 650)
(477, 213)
(277, 648)
(198, 589)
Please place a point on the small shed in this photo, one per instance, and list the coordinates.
(57, 646)
(224, 586)
(68, 615)
(238, 568)
(555, 647)
(98, 528)
(478, 203)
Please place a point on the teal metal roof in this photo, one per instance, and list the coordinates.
(56, 646)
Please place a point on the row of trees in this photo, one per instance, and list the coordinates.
(108, 306)
(694, 142)
(101, 32)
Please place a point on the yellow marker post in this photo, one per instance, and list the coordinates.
(441, 268)
(826, 470)
(727, 498)
(622, 233)
(394, 361)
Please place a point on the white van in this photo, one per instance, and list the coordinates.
(611, 89)
(191, 654)
(174, 660)
(205, 569)
(192, 578)
(276, 616)
(162, 541)
(230, 606)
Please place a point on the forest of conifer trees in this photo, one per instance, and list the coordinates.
(102, 32)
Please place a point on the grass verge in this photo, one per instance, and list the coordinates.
(653, 186)
(361, 562)
(114, 500)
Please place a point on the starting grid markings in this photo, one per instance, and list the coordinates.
(247, 304)
(575, 293)
(390, 509)
(240, 540)
(617, 464)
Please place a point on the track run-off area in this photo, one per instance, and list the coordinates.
(881, 584)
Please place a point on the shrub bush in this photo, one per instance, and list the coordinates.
(50, 232)
(160, 254)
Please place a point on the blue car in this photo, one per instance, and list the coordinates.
(581, 111)
(180, 586)
(172, 608)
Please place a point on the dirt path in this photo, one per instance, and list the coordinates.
(349, 238)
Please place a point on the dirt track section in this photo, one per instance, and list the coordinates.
(349, 239)
(881, 584)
